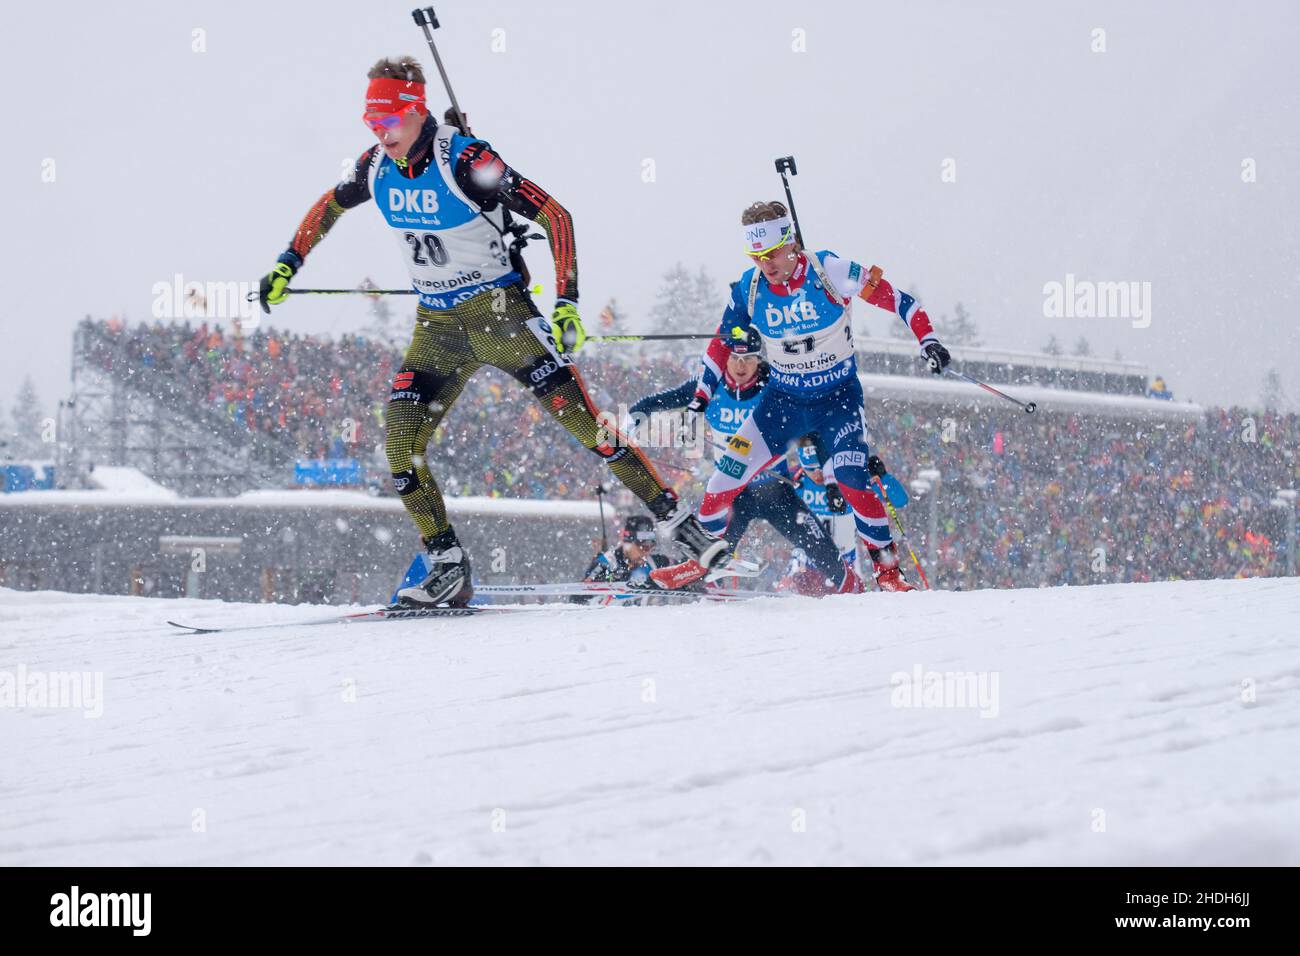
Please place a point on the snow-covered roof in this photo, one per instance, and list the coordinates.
(956, 391)
(128, 481)
(333, 499)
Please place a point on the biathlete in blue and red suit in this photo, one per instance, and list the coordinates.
(800, 303)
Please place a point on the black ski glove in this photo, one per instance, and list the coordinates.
(835, 499)
(876, 468)
(937, 357)
(274, 287)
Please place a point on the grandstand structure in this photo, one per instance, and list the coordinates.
(122, 415)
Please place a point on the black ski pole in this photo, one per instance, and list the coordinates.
(1029, 407)
(427, 21)
(782, 164)
(654, 336)
(600, 498)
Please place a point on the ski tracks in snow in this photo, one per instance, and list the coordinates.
(1121, 724)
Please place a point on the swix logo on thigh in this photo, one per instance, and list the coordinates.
(851, 428)
(132, 910)
(413, 200)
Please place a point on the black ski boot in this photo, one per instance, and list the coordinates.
(448, 581)
(682, 527)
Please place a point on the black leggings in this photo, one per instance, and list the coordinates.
(775, 502)
(500, 328)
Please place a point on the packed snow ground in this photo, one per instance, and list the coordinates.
(1129, 724)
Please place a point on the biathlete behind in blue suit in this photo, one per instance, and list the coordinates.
(771, 496)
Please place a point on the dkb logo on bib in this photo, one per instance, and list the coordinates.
(412, 200)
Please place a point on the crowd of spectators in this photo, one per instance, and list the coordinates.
(1075, 499)
(321, 398)
(1053, 499)
(324, 398)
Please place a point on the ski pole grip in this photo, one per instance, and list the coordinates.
(424, 16)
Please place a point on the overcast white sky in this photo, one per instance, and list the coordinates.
(1122, 165)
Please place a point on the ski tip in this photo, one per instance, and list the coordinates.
(195, 630)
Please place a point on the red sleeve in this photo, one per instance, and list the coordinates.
(712, 364)
(908, 310)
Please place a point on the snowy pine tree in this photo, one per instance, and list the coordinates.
(708, 300)
(1081, 348)
(1052, 347)
(1271, 397)
(25, 439)
(676, 290)
(666, 315)
(684, 304)
(687, 303)
(962, 330)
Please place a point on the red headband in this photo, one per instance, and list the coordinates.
(388, 95)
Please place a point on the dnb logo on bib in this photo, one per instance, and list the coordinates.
(730, 467)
